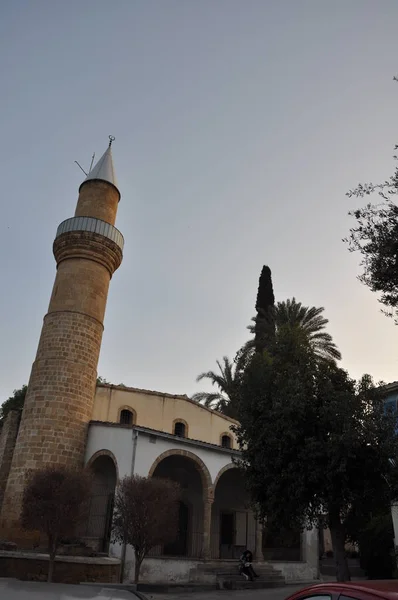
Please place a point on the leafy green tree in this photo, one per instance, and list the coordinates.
(14, 402)
(375, 238)
(309, 319)
(306, 433)
(225, 400)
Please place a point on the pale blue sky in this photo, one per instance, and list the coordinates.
(239, 125)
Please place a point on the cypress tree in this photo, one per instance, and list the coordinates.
(265, 307)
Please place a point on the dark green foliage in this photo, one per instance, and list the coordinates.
(309, 319)
(376, 546)
(14, 402)
(227, 381)
(277, 399)
(265, 319)
(306, 432)
(265, 293)
(375, 237)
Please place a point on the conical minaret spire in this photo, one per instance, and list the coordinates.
(104, 169)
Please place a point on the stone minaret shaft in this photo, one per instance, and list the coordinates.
(60, 396)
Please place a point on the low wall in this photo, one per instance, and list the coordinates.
(183, 571)
(296, 572)
(67, 569)
(166, 570)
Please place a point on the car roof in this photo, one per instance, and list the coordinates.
(383, 588)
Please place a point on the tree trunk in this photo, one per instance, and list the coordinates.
(137, 566)
(52, 549)
(338, 543)
(51, 566)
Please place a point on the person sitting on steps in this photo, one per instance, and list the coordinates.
(246, 566)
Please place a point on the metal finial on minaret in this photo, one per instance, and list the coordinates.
(103, 169)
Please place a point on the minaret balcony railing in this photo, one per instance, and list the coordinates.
(93, 226)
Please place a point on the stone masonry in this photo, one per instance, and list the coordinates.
(8, 436)
(61, 388)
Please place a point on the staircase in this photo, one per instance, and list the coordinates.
(226, 576)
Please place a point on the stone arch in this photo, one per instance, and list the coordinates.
(221, 472)
(96, 530)
(104, 452)
(200, 465)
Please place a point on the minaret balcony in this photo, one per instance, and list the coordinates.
(92, 225)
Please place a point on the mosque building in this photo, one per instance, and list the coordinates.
(69, 419)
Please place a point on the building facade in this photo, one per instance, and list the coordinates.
(152, 434)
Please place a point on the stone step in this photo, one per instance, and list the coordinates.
(241, 584)
(220, 567)
(262, 574)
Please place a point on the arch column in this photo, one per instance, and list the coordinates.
(258, 551)
(207, 504)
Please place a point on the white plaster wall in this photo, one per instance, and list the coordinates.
(116, 439)
(119, 441)
(310, 551)
(148, 452)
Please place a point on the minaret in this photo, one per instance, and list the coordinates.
(59, 400)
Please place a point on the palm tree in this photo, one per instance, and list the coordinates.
(310, 320)
(226, 399)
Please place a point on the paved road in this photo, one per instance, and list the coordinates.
(266, 594)
(12, 589)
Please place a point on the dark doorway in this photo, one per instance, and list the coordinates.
(227, 534)
(97, 528)
(180, 546)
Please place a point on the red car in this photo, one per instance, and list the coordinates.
(350, 590)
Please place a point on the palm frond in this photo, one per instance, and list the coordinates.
(310, 320)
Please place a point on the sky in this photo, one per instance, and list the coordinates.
(240, 125)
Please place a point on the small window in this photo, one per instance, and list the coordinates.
(226, 441)
(179, 429)
(126, 417)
